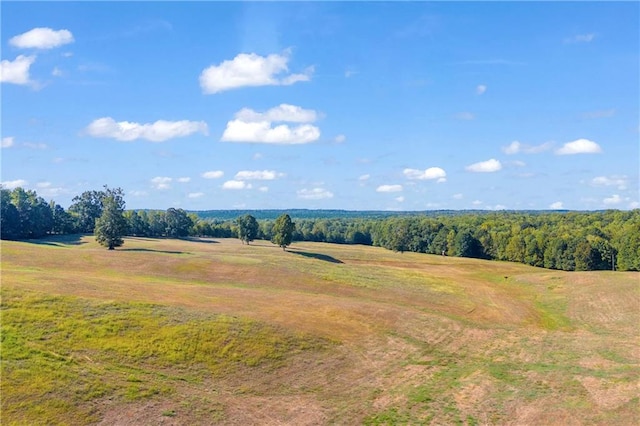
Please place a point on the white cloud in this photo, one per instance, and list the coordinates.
(250, 69)
(43, 184)
(518, 163)
(619, 181)
(16, 72)
(184, 179)
(262, 132)
(580, 38)
(634, 205)
(236, 184)
(364, 177)
(258, 175)
(283, 112)
(457, 196)
(349, 72)
(441, 180)
(340, 139)
(389, 188)
(161, 182)
(580, 146)
(7, 142)
(430, 173)
(213, 174)
(614, 199)
(136, 193)
(257, 156)
(556, 206)
(314, 194)
(465, 116)
(195, 194)
(263, 189)
(42, 38)
(481, 89)
(13, 184)
(516, 147)
(400, 199)
(159, 131)
(476, 202)
(251, 126)
(57, 72)
(488, 166)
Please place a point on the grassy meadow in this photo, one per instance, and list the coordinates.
(204, 331)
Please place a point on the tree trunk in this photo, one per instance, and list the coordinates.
(110, 247)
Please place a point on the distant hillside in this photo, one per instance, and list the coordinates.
(339, 214)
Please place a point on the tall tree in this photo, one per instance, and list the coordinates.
(177, 222)
(9, 217)
(248, 228)
(86, 208)
(283, 231)
(111, 226)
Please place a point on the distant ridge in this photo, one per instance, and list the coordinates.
(264, 214)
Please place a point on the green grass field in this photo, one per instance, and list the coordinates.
(206, 331)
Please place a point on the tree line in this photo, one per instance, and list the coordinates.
(603, 240)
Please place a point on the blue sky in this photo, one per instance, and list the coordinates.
(359, 106)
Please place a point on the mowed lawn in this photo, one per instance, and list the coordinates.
(211, 331)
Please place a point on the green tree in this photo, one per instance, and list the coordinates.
(111, 226)
(86, 208)
(177, 222)
(9, 217)
(248, 228)
(283, 231)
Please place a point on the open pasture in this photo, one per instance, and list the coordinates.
(206, 331)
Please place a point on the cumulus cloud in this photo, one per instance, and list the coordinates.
(257, 175)
(314, 194)
(428, 174)
(400, 199)
(16, 71)
(195, 194)
(42, 38)
(516, 147)
(251, 126)
(236, 184)
(556, 206)
(283, 112)
(363, 178)
(161, 182)
(250, 70)
(13, 184)
(184, 179)
(213, 174)
(619, 181)
(7, 142)
(263, 189)
(580, 146)
(614, 199)
(488, 166)
(481, 89)
(159, 131)
(457, 196)
(389, 188)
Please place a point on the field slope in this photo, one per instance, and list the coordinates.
(206, 331)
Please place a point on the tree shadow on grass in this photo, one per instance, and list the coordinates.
(319, 256)
(58, 240)
(153, 251)
(201, 240)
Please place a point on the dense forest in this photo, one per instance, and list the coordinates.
(602, 240)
